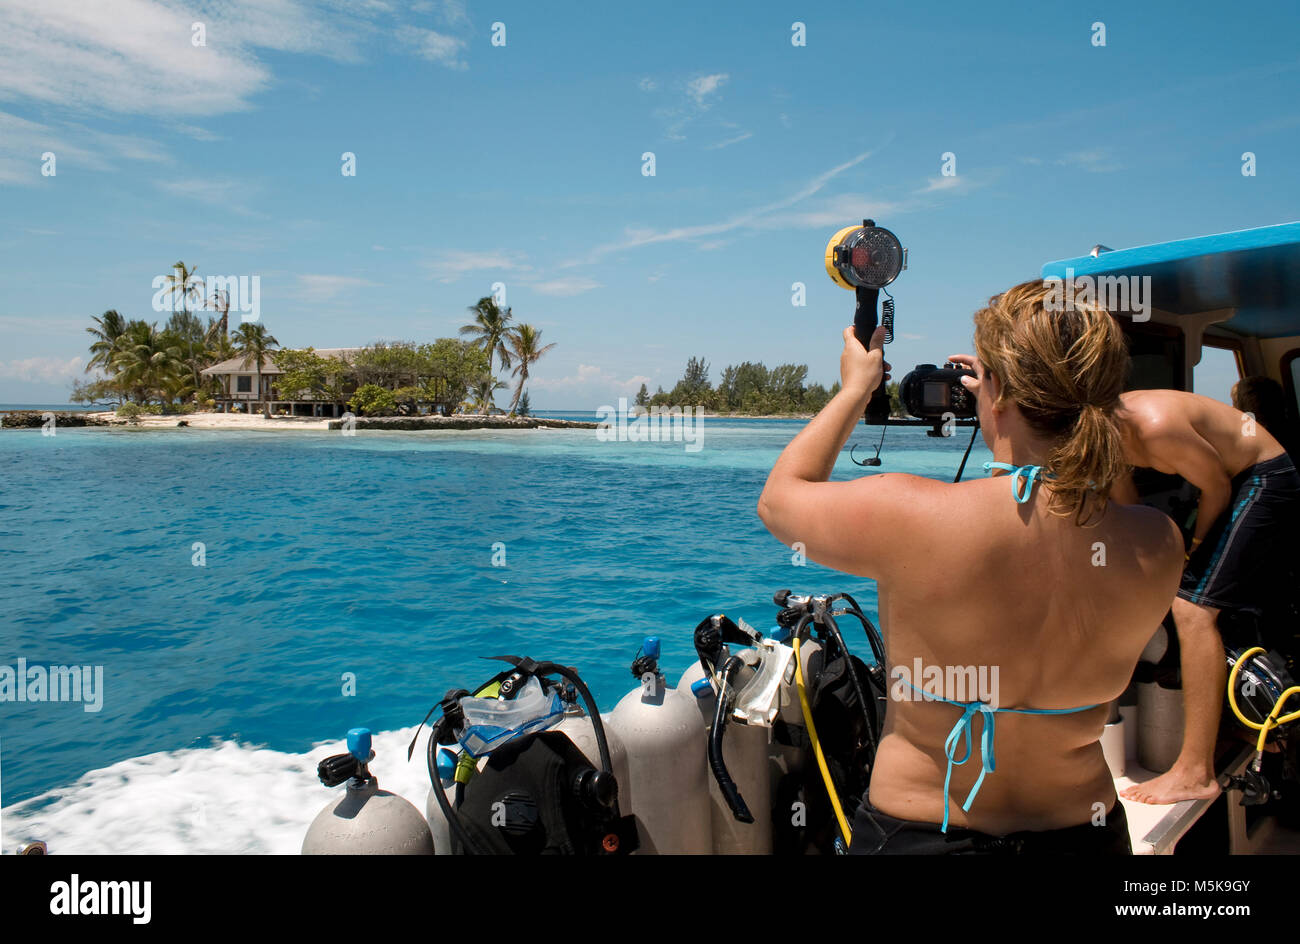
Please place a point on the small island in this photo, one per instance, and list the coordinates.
(751, 390)
(202, 374)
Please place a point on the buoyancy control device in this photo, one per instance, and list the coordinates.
(519, 783)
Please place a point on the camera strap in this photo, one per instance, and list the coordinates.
(970, 445)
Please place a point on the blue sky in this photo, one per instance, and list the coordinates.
(522, 164)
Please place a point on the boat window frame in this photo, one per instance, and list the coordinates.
(1162, 331)
(1288, 382)
(1220, 343)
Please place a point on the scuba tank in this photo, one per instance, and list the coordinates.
(745, 755)
(668, 777)
(737, 730)
(365, 820)
(433, 815)
(841, 701)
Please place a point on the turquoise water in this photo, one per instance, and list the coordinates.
(369, 554)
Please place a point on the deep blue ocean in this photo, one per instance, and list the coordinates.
(328, 557)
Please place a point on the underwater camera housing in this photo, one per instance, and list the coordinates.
(936, 393)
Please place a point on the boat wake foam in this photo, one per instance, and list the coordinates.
(228, 799)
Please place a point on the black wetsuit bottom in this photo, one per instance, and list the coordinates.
(877, 833)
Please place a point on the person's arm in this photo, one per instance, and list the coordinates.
(844, 525)
(1199, 463)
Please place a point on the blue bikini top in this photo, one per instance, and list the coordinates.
(963, 727)
(1022, 478)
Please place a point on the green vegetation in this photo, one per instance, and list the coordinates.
(517, 346)
(308, 376)
(744, 388)
(145, 369)
(373, 400)
(254, 343)
(137, 363)
(751, 388)
(481, 395)
(130, 412)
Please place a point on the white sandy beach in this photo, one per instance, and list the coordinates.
(222, 421)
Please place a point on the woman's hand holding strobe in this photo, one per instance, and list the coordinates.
(861, 369)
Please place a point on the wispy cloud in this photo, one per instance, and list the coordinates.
(140, 57)
(23, 142)
(43, 369)
(450, 12)
(434, 46)
(942, 183)
(132, 57)
(591, 378)
(41, 324)
(696, 97)
(730, 141)
(764, 216)
(450, 265)
(227, 193)
(701, 87)
(325, 287)
(1095, 161)
(197, 133)
(566, 287)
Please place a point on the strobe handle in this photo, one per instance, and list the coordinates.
(864, 325)
(864, 315)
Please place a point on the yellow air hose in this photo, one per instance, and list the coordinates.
(1273, 720)
(817, 747)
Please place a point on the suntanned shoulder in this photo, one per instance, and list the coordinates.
(1153, 412)
(1155, 534)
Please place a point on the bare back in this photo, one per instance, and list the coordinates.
(1061, 612)
(1156, 424)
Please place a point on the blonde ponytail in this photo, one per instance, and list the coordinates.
(1065, 371)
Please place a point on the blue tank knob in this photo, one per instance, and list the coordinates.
(359, 744)
(702, 688)
(446, 766)
(650, 647)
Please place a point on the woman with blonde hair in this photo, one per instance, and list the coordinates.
(1031, 578)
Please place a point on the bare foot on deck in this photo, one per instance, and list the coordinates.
(1172, 786)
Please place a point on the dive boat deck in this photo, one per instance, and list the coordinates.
(1155, 829)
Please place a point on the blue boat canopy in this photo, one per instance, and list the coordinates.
(1254, 271)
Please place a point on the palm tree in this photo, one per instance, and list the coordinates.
(490, 328)
(526, 347)
(254, 343)
(107, 329)
(482, 393)
(184, 284)
(189, 337)
(221, 302)
(145, 362)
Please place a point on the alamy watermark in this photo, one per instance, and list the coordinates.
(83, 683)
(965, 683)
(85, 897)
(243, 292)
(651, 424)
(1118, 294)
